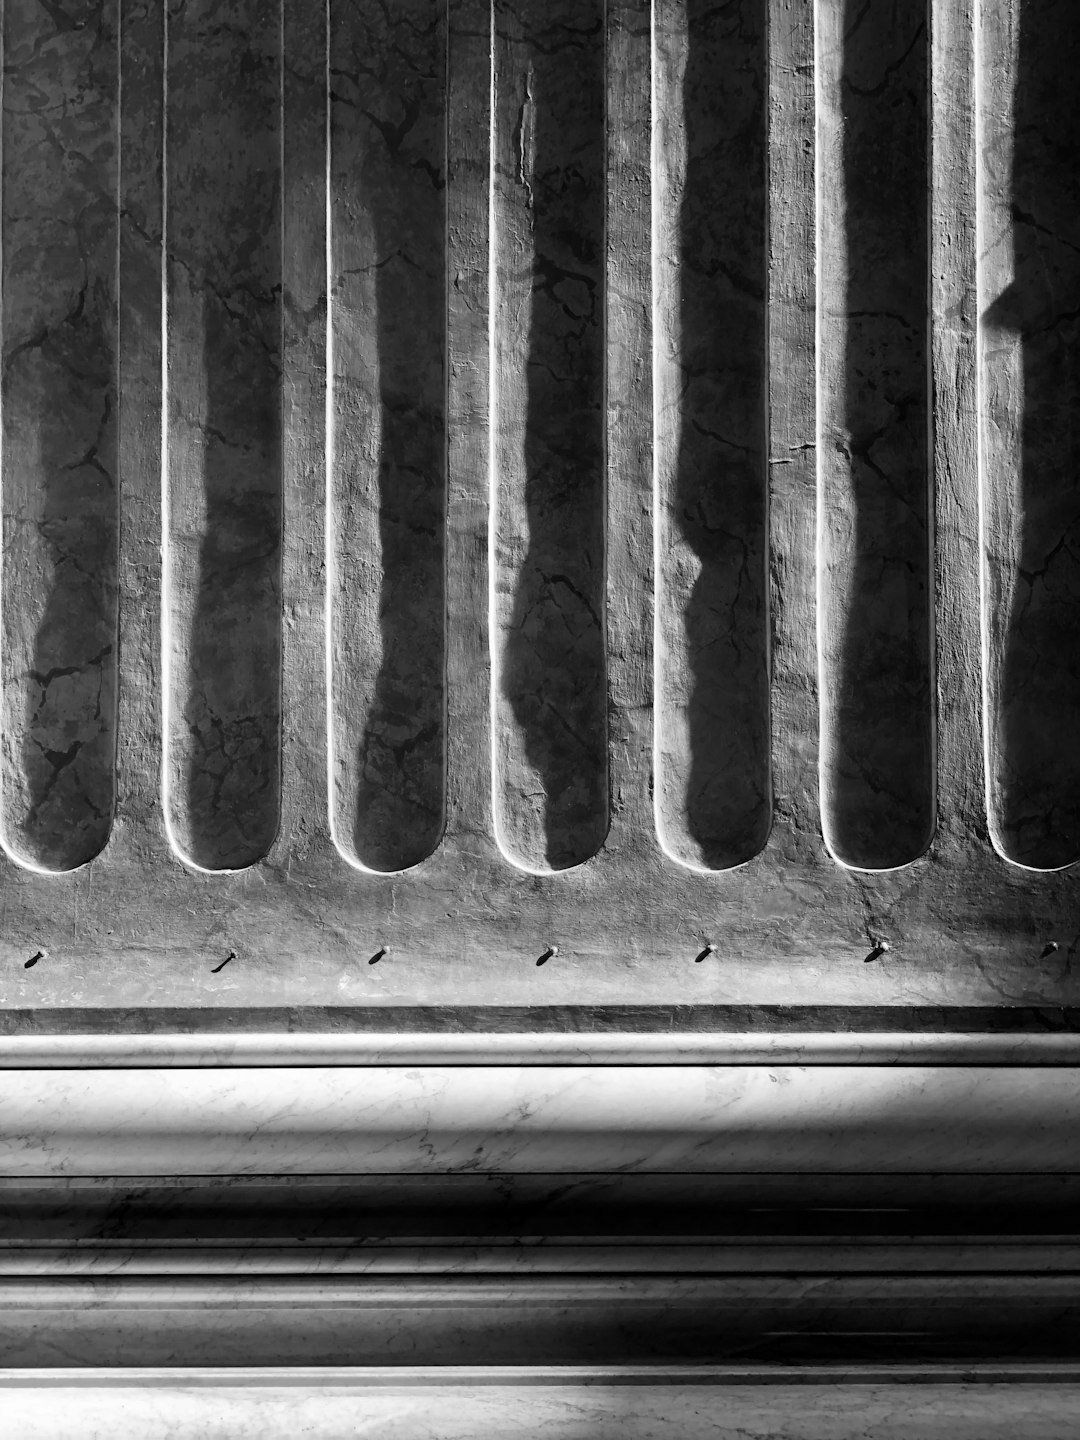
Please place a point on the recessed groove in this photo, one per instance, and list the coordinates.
(223, 443)
(548, 134)
(710, 164)
(875, 626)
(59, 602)
(388, 484)
(1029, 165)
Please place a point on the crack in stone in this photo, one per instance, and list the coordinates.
(525, 139)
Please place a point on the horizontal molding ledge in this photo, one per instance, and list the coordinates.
(441, 1378)
(560, 1405)
(514, 1261)
(429, 1119)
(182, 1051)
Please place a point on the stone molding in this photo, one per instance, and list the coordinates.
(441, 1119)
(521, 1403)
(280, 391)
(538, 1048)
(509, 508)
(681, 1214)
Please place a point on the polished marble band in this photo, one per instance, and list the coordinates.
(558, 1404)
(536, 1048)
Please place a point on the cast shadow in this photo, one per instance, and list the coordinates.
(232, 693)
(553, 663)
(401, 757)
(720, 499)
(882, 781)
(1036, 726)
(69, 721)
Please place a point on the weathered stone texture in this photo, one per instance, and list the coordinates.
(60, 198)
(548, 412)
(223, 448)
(476, 344)
(875, 495)
(1031, 361)
(388, 323)
(714, 806)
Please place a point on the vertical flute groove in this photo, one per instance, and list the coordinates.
(61, 236)
(223, 483)
(1029, 156)
(548, 236)
(388, 316)
(874, 337)
(712, 663)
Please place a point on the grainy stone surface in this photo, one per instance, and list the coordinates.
(517, 1409)
(60, 199)
(548, 396)
(388, 308)
(427, 355)
(224, 433)
(549, 312)
(714, 804)
(1031, 301)
(877, 738)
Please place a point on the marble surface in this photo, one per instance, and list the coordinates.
(387, 446)
(549, 200)
(517, 1257)
(434, 1119)
(222, 455)
(798, 1318)
(103, 1051)
(1030, 302)
(229, 146)
(430, 266)
(875, 470)
(198, 1409)
(60, 202)
(710, 228)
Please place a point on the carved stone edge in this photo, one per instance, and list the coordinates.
(858, 1121)
(563, 1403)
(914, 1048)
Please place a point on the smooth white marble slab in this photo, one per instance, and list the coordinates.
(515, 1411)
(432, 1119)
(537, 1048)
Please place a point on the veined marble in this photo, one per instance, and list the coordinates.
(439, 1118)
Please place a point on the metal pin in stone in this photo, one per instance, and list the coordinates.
(1048, 949)
(549, 954)
(881, 947)
(40, 955)
(218, 968)
(382, 951)
(710, 949)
